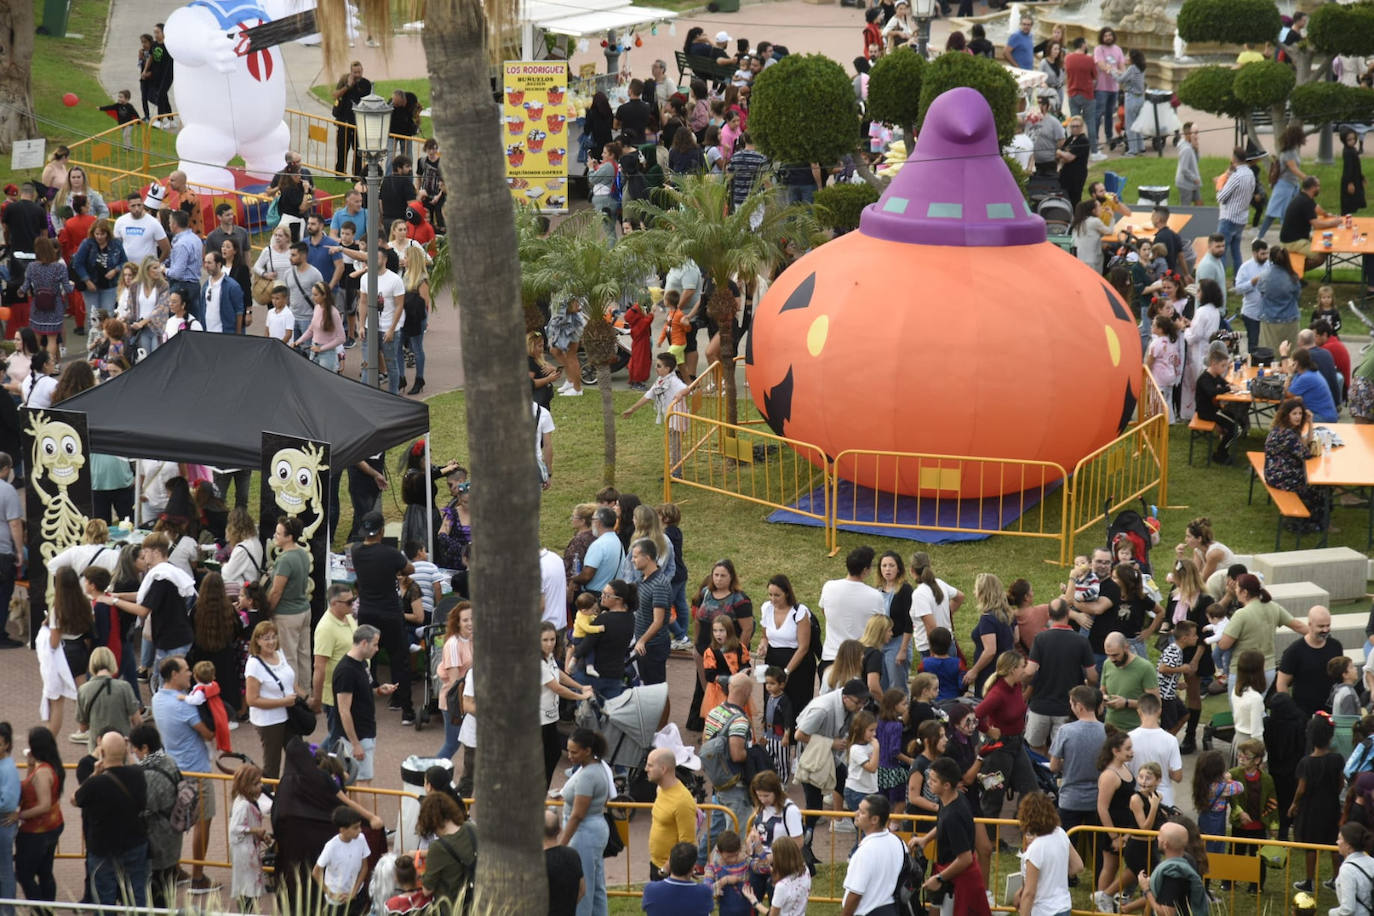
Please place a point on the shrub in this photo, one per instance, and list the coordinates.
(1319, 103)
(1213, 90)
(1229, 21)
(894, 87)
(839, 206)
(1337, 29)
(991, 79)
(803, 110)
(1263, 83)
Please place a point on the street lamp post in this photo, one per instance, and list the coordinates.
(373, 117)
(924, 11)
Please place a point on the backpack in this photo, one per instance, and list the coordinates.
(907, 896)
(413, 314)
(715, 758)
(185, 811)
(816, 641)
(1132, 524)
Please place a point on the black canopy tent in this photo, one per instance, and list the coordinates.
(207, 398)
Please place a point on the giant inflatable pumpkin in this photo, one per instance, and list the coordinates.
(946, 325)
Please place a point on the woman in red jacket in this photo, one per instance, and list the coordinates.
(1002, 717)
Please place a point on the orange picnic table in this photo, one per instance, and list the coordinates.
(1137, 223)
(1240, 394)
(1348, 246)
(1349, 467)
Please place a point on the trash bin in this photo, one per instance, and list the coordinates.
(56, 14)
(727, 6)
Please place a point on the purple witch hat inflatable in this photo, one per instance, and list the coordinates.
(955, 190)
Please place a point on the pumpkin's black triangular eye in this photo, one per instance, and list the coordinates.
(1127, 409)
(777, 404)
(1118, 309)
(801, 296)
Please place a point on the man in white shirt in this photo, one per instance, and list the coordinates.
(848, 603)
(391, 290)
(221, 299)
(871, 878)
(1153, 744)
(553, 585)
(1233, 203)
(1247, 284)
(141, 234)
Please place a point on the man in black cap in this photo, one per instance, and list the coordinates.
(377, 565)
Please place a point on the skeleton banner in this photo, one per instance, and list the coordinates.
(59, 490)
(295, 474)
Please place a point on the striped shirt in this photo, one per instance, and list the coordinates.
(1233, 200)
(425, 575)
(745, 166)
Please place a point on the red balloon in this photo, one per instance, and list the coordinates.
(70, 100)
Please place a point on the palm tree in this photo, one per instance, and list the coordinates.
(696, 221)
(458, 35)
(578, 262)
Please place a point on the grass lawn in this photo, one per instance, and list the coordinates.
(716, 526)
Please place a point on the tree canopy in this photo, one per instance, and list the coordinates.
(803, 109)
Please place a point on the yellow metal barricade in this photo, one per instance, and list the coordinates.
(999, 487)
(1247, 875)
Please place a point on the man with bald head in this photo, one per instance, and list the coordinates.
(567, 884)
(1302, 669)
(1126, 677)
(112, 803)
(674, 814)
(729, 717)
(1174, 888)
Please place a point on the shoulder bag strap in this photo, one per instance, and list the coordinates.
(95, 556)
(273, 674)
(252, 559)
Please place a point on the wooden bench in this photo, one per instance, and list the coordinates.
(1288, 503)
(1199, 428)
(704, 67)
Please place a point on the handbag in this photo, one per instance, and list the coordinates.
(300, 718)
(273, 214)
(1268, 388)
(614, 844)
(262, 286)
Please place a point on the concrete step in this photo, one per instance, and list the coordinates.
(1341, 571)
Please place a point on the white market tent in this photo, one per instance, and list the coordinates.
(580, 18)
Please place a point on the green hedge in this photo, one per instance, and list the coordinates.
(1213, 90)
(839, 206)
(1337, 29)
(1319, 103)
(1229, 21)
(894, 87)
(1263, 83)
(803, 109)
(991, 79)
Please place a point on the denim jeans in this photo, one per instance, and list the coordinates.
(801, 193)
(895, 669)
(113, 876)
(299, 328)
(8, 888)
(1104, 105)
(154, 676)
(450, 737)
(416, 345)
(677, 621)
(327, 359)
(607, 688)
(589, 842)
(1135, 141)
(1221, 658)
(395, 367)
(96, 301)
(736, 799)
(1232, 232)
(1085, 108)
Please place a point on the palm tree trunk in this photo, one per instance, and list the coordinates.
(16, 62)
(722, 310)
(603, 384)
(511, 877)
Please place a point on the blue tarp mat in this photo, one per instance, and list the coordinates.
(968, 513)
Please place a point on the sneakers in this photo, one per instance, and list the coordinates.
(1103, 903)
(1097, 157)
(841, 825)
(572, 393)
(1305, 886)
(350, 343)
(567, 384)
(79, 737)
(203, 885)
(408, 717)
(1329, 884)
(682, 645)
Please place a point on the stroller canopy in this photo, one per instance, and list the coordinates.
(629, 722)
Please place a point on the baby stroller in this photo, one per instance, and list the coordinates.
(1045, 781)
(431, 651)
(628, 723)
(1136, 527)
(1047, 199)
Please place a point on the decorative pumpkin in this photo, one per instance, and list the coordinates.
(946, 325)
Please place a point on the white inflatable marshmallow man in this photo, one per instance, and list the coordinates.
(229, 105)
